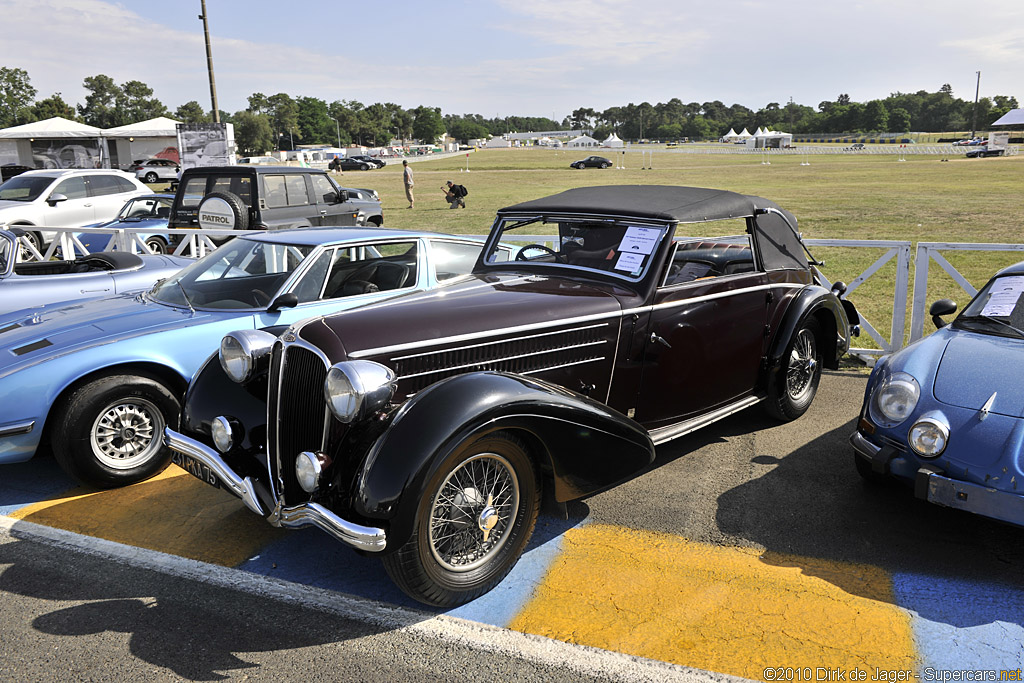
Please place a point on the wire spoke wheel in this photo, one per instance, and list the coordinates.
(803, 364)
(472, 512)
(126, 433)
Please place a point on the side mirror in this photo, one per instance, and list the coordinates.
(342, 196)
(55, 198)
(940, 308)
(288, 300)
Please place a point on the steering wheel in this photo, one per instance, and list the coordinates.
(257, 295)
(521, 255)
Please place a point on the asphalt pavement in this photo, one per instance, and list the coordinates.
(750, 548)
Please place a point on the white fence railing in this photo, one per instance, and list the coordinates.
(821, 150)
(197, 243)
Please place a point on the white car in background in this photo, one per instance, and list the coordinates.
(152, 170)
(70, 198)
(260, 160)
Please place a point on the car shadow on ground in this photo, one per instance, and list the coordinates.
(812, 511)
(193, 630)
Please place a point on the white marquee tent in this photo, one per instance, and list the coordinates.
(612, 140)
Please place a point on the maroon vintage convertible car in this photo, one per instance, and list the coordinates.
(424, 428)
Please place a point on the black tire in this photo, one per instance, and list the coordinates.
(238, 208)
(109, 432)
(364, 167)
(604, 165)
(157, 245)
(151, 178)
(468, 562)
(794, 386)
(866, 473)
(34, 238)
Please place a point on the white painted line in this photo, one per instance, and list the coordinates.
(580, 659)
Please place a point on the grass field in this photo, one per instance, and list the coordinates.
(835, 197)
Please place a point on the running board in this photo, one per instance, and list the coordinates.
(663, 434)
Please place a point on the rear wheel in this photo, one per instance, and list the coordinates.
(472, 525)
(151, 177)
(792, 390)
(110, 431)
(32, 238)
(157, 245)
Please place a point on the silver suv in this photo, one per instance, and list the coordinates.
(257, 197)
(64, 198)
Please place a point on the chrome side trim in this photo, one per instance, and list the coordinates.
(516, 357)
(243, 488)
(470, 336)
(16, 428)
(370, 539)
(663, 434)
(565, 365)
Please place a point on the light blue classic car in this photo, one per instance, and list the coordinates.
(946, 414)
(146, 212)
(97, 275)
(101, 379)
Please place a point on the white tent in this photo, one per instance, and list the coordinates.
(770, 140)
(1014, 117)
(744, 135)
(498, 142)
(583, 141)
(56, 127)
(612, 140)
(161, 126)
(730, 136)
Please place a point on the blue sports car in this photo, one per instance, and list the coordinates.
(34, 283)
(101, 379)
(946, 414)
(147, 211)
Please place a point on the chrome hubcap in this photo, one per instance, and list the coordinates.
(473, 511)
(803, 365)
(127, 433)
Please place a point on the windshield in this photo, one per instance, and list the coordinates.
(146, 208)
(22, 189)
(241, 274)
(997, 309)
(620, 248)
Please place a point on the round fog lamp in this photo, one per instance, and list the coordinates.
(308, 468)
(928, 437)
(222, 435)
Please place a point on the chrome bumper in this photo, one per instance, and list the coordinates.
(981, 500)
(366, 538)
(878, 456)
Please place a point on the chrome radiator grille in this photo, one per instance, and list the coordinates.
(525, 355)
(297, 412)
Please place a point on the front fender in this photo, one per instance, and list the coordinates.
(582, 443)
(813, 301)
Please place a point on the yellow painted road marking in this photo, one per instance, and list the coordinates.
(731, 610)
(172, 512)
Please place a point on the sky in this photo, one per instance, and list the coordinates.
(521, 57)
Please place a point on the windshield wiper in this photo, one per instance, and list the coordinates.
(986, 318)
(185, 294)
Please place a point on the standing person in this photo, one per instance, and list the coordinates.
(455, 194)
(407, 179)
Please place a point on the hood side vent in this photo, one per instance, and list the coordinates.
(34, 346)
(9, 328)
(520, 355)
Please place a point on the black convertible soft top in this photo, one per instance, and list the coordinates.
(658, 202)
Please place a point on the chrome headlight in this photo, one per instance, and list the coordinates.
(895, 399)
(223, 434)
(241, 351)
(309, 467)
(929, 436)
(355, 389)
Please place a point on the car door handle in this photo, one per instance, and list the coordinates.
(91, 291)
(655, 339)
(323, 212)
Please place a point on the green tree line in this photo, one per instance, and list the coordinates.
(282, 121)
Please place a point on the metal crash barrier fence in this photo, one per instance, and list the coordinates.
(196, 243)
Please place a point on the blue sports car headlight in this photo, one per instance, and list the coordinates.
(894, 399)
(929, 436)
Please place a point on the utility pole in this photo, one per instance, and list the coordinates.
(974, 115)
(209, 64)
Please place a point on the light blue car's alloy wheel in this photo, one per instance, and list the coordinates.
(127, 433)
(803, 364)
